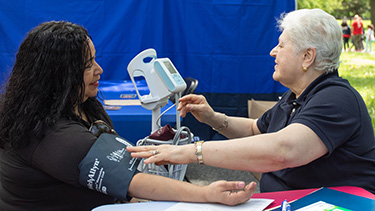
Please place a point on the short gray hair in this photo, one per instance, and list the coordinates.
(314, 28)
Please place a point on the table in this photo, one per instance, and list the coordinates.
(277, 196)
(297, 194)
(133, 122)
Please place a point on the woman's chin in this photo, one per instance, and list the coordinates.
(275, 76)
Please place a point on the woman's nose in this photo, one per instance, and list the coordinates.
(98, 69)
(273, 52)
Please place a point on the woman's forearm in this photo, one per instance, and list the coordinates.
(160, 188)
(292, 146)
(152, 187)
(238, 127)
(256, 154)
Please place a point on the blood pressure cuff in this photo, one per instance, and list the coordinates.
(108, 167)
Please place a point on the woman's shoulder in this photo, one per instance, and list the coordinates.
(67, 129)
(338, 91)
(67, 124)
(66, 135)
(333, 89)
(336, 86)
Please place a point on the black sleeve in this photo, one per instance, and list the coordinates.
(334, 115)
(62, 150)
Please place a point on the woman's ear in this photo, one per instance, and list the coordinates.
(309, 56)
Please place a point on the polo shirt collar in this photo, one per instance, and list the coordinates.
(310, 89)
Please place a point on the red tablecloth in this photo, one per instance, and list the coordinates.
(293, 195)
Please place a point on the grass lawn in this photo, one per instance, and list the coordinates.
(359, 70)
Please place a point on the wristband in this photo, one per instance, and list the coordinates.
(198, 151)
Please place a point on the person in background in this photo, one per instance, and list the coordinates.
(345, 34)
(319, 134)
(357, 33)
(369, 37)
(49, 114)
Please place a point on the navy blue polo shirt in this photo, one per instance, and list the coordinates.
(336, 112)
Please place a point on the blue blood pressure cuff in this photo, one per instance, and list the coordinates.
(108, 167)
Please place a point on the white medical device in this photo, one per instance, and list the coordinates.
(162, 78)
(163, 81)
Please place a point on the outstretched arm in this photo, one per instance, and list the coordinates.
(153, 187)
(292, 146)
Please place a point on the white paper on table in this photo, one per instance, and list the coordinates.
(122, 102)
(251, 205)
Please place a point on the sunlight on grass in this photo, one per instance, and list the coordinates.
(359, 70)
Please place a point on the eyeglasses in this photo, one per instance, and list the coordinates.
(99, 126)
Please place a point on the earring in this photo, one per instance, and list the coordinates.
(304, 69)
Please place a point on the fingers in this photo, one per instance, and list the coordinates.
(145, 154)
(153, 154)
(164, 154)
(238, 185)
(195, 109)
(250, 188)
(141, 148)
(189, 97)
(182, 108)
(233, 185)
(188, 108)
(237, 192)
(245, 195)
(187, 103)
(153, 159)
(143, 151)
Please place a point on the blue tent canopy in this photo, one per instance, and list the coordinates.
(225, 44)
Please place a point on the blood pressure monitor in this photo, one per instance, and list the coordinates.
(163, 81)
(171, 78)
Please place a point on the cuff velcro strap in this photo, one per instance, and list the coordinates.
(108, 167)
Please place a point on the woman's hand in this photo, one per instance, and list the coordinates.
(164, 154)
(229, 193)
(196, 105)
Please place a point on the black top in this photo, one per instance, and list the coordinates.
(346, 30)
(45, 174)
(336, 112)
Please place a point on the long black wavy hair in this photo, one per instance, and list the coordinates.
(46, 82)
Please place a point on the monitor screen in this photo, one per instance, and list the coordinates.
(170, 67)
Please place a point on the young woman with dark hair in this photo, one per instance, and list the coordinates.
(47, 108)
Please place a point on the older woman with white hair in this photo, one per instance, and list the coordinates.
(319, 134)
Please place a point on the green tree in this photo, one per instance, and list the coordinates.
(329, 6)
(342, 8)
(360, 7)
(372, 11)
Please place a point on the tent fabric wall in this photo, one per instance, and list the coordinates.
(225, 44)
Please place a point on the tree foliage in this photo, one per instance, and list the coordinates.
(327, 5)
(372, 11)
(340, 8)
